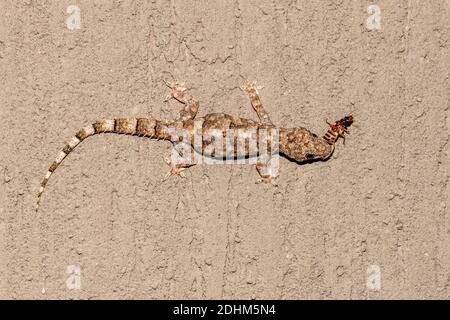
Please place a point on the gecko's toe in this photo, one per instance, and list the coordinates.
(168, 83)
(167, 176)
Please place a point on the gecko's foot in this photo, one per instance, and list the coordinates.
(175, 169)
(267, 180)
(177, 89)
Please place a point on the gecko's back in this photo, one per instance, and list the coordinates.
(240, 137)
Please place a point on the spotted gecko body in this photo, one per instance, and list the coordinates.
(297, 144)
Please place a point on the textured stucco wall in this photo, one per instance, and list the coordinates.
(380, 202)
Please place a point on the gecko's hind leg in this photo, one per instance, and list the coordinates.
(182, 157)
(179, 93)
(252, 91)
(268, 169)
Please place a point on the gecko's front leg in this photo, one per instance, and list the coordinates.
(252, 91)
(179, 93)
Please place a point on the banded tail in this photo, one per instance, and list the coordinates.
(144, 127)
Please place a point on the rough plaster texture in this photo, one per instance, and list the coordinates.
(380, 200)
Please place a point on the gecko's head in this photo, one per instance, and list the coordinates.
(339, 129)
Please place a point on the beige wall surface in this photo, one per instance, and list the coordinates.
(372, 222)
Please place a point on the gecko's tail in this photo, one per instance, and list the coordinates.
(146, 127)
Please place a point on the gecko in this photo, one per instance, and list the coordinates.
(297, 144)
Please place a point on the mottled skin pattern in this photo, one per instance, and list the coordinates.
(297, 144)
